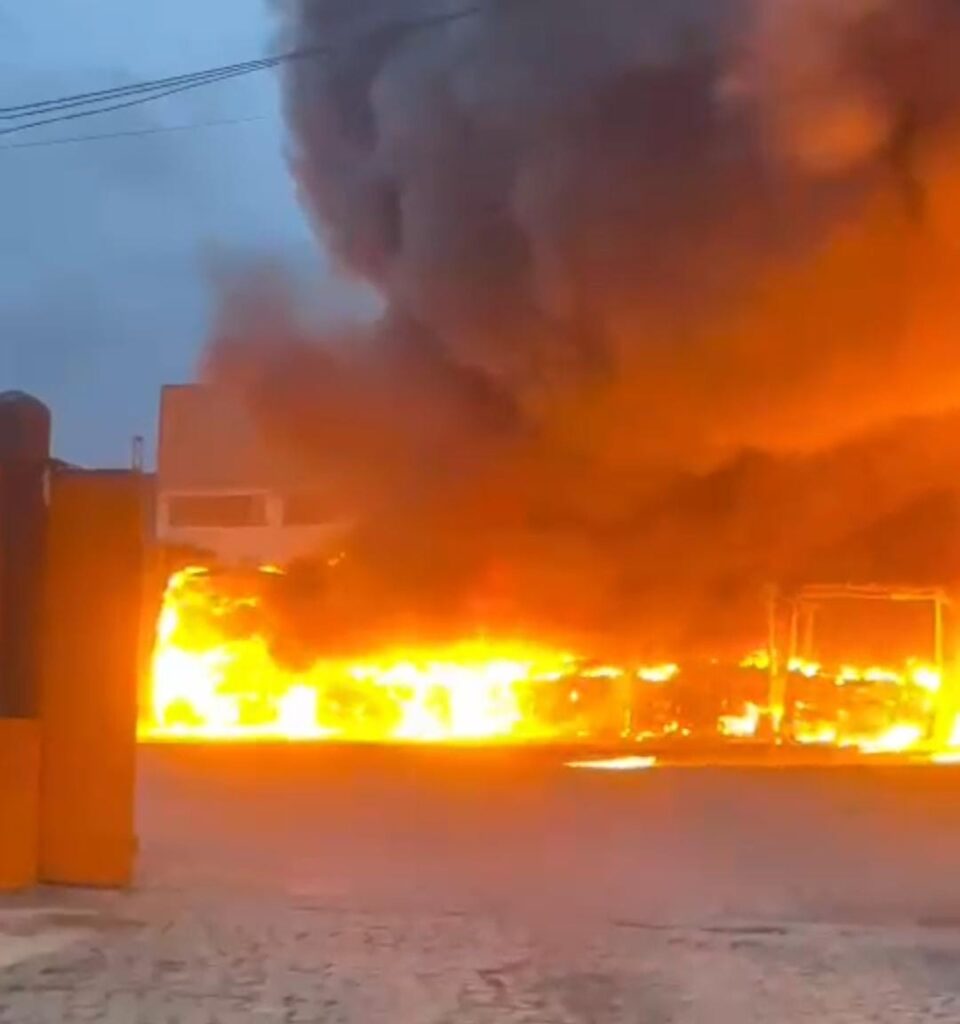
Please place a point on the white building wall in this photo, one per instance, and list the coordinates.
(211, 463)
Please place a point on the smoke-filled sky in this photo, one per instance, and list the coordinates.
(671, 297)
(106, 247)
(670, 287)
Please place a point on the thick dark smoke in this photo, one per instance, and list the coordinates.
(671, 302)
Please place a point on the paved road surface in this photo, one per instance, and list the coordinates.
(440, 887)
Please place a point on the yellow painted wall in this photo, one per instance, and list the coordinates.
(19, 802)
(90, 664)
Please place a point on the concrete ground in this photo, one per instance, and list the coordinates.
(440, 887)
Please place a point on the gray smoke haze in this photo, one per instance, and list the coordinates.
(669, 289)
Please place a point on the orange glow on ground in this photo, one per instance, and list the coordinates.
(616, 764)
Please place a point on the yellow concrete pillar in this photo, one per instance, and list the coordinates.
(19, 802)
(24, 459)
(88, 694)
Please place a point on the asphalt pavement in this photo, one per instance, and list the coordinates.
(432, 886)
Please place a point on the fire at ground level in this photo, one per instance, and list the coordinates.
(224, 669)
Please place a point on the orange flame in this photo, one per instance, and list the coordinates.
(209, 685)
(215, 676)
(741, 726)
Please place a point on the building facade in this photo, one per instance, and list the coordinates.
(222, 491)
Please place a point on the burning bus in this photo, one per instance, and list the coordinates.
(228, 664)
(255, 639)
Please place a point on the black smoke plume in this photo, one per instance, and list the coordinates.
(670, 304)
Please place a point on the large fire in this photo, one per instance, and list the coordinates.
(216, 676)
(209, 682)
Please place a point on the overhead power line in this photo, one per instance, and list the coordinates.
(102, 95)
(123, 105)
(122, 99)
(102, 101)
(134, 132)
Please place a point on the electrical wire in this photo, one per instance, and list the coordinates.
(134, 132)
(40, 107)
(137, 101)
(100, 101)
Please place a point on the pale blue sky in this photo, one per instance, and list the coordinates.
(104, 291)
